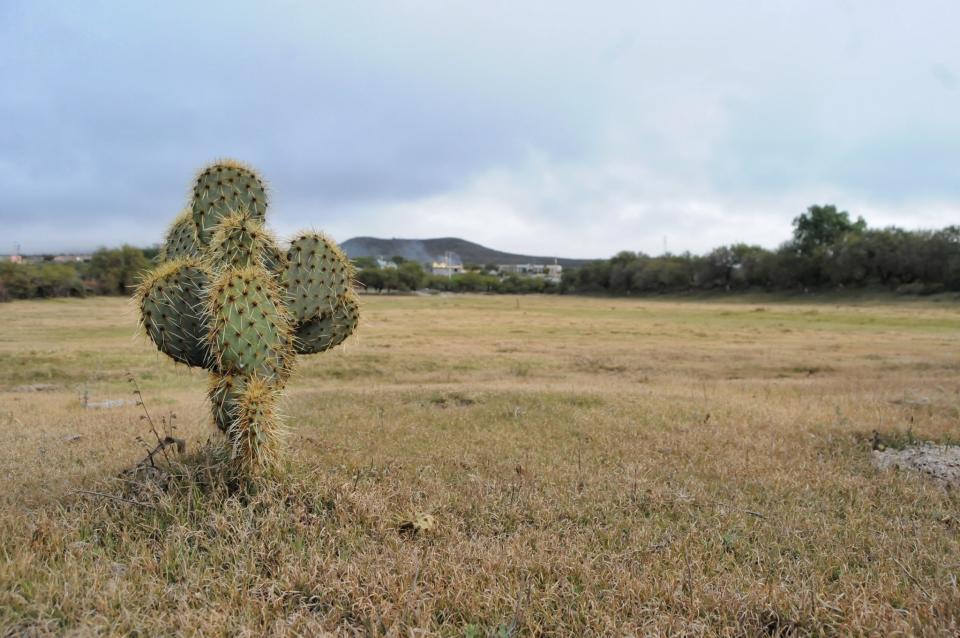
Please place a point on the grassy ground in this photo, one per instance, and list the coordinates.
(593, 466)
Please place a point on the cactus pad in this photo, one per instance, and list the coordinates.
(171, 301)
(223, 392)
(330, 329)
(181, 240)
(250, 330)
(316, 276)
(255, 430)
(224, 188)
(241, 241)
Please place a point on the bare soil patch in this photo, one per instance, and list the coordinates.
(938, 462)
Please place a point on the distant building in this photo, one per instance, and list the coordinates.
(447, 265)
(550, 272)
(64, 259)
(384, 263)
(39, 259)
(554, 273)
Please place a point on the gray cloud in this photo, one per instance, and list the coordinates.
(534, 127)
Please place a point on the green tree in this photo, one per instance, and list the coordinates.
(362, 263)
(391, 279)
(371, 279)
(716, 268)
(58, 280)
(117, 270)
(17, 282)
(823, 226)
(411, 275)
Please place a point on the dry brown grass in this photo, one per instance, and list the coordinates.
(593, 467)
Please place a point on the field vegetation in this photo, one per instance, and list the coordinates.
(110, 271)
(828, 253)
(494, 465)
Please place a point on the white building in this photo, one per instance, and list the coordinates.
(447, 265)
(549, 272)
(387, 264)
(65, 259)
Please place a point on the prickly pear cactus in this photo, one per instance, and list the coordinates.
(172, 300)
(225, 297)
(181, 239)
(224, 188)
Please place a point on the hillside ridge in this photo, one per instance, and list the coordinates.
(426, 250)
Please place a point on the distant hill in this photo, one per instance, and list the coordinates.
(426, 250)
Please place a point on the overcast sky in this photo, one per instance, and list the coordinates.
(558, 128)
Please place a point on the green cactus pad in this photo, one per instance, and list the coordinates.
(223, 392)
(240, 241)
(224, 188)
(181, 240)
(330, 329)
(249, 328)
(275, 261)
(317, 275)
(244, 409)
(254, 431)
(171, 301)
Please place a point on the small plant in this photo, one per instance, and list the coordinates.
(225, 297)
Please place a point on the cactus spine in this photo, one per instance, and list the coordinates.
(226, 298)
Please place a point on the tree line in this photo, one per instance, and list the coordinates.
(110, 271)
(828, 251)
(404, 275)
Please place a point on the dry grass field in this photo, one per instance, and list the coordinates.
(592, 466)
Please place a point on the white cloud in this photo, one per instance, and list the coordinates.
(596, 211)
(534, 127)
